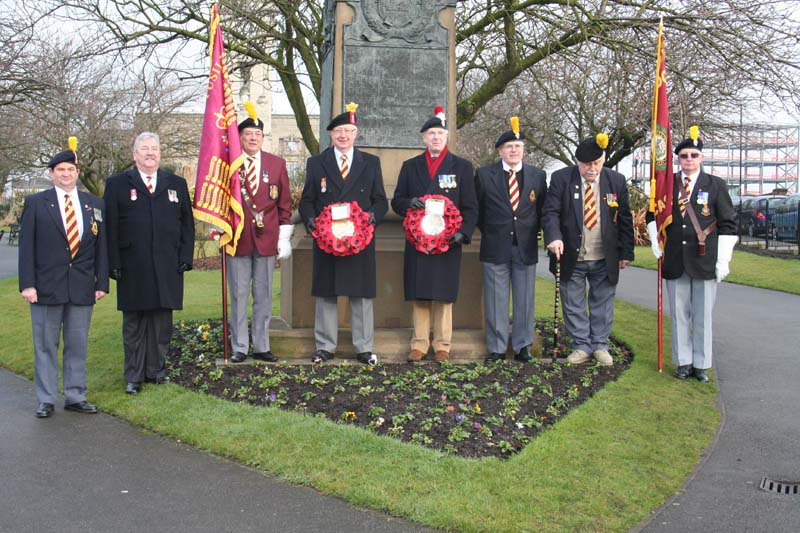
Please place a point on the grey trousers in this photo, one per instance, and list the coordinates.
(691, 304)
(326, 324)
(243, 273)
(146, 336)
(497, 280)
(590, 331)
(47, 322)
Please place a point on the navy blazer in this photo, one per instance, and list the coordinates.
(496, 220)
(45, 262)
(563, 219)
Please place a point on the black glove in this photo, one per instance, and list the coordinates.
(116, 274)
(416, 203)
(310, 225)
(457, 238)
(372, 218)
(183, 267)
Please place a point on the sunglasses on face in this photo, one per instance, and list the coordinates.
(693, 155)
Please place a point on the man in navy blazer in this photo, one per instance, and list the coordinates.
(63, 271)
(511, 196)
(588, 227)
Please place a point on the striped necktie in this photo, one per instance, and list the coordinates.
(345, 169)
(681, 202)
(513, 189)
(252, 179)
(72, 226)
(589, 207)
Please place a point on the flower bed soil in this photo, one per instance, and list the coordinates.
(473, 410)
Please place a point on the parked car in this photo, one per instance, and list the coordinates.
(756, 214)
(785, 219)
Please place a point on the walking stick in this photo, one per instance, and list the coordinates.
(555, 309)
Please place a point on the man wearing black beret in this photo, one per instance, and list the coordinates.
(343, 174)
(511, 196)
(697, 252)
(431, 281)
(588, 227)
(63, 271)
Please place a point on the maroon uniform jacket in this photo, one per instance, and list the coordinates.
(274, 199)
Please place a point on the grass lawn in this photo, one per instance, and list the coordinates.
(746, 269)
(604, 467)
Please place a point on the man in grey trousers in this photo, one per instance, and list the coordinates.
(63, 271)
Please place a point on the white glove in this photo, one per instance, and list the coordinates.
(285, 241)
(725, 246)
(652, 230)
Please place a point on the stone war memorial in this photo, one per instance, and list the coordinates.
(396, 60)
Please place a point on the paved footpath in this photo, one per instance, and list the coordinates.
(757, 368)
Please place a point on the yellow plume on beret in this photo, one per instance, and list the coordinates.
(694, 134)
(515, 126)
(72, 142)
(602, 140)
(351, 107)
(251, 110)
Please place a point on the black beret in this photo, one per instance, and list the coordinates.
(689, 143)
(508, 136)
(344, 118)
(67, 156)
(250, 123)
(588, 150)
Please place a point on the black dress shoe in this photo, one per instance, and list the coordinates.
(44, 410)
(494, 357)
(320, 356)
(683, 372)
(238, 357)
(157, 381)
(81, 407)
(700, 375)
(265, 356)
(367, 358)
(523, 356)
(132, 388)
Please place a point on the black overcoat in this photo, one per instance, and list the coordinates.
(680, 251)
(148, 237)
(499, 224)
(562, 219)
(435, 276)
(45, 262)
(352, 275)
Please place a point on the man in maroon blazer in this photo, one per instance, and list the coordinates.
(265, 237)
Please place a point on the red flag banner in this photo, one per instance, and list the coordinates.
(661, 178)
(218, 194)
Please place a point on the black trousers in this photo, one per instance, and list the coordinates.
(146, 336)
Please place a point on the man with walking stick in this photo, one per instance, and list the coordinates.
(588, 228)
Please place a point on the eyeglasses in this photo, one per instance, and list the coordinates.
(693, 155)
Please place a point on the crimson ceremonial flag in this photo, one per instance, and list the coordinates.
(661, 178)
(218, 193)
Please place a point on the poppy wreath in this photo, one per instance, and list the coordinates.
(352, 245)
(432, 244)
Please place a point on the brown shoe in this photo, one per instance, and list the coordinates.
(441, 355)
(415, 356)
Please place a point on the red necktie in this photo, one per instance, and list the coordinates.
(72, 226)
(686, 183)
(345, 168)
(513, 189)
(589, 207)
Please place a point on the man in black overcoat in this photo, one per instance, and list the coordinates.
(693, 271)
(150, 246)
(588, 226)
(63, 271)
(431, 280)
(343, 174)
(511, 195)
